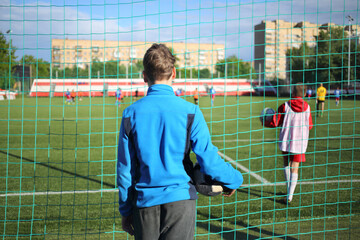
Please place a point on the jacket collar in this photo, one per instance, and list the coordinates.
(160, 89)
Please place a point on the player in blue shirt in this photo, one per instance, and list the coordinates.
(212, 95)
(68, 97)
(337, 94)
(309, 93)
(118, 97)
(157, 199)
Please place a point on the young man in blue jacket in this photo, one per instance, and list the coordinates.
(156, 195)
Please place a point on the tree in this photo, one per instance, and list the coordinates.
(332, 49)
(302, 62)
(136, 69)
(236, 68)
(327, 62)
(7, 61)
(204, 73)
(39, 67)
(109, 69)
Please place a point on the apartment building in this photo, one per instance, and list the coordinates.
(71, 52)
(274, 38)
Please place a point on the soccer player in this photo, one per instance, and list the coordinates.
(80, 94)
(118, 97)
(73, 96)
(337, 94)
(321, 93)
(68, 97)
(196, 96)
(309, 93)
(212, 95)
(178, 92)
(156, 194)
(136, 94)
(294, 118)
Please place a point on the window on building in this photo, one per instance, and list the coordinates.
(133, 52)
(269, 49)
(78, 48)
(220, 54)
(117, 53)
(202, 56)
(56, 50)
(187, 55)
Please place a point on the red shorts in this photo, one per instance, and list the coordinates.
(337, 99)
(294, 157)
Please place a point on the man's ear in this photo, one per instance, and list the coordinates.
(145, 77)
(173, 75)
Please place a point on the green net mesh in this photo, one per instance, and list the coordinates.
(61, 63)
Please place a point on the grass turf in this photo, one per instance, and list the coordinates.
(47, 146)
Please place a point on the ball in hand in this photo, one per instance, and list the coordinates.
(266, 115)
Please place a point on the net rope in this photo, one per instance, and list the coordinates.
(62, 62)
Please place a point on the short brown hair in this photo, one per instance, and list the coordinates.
(299, 90)
(158, 62)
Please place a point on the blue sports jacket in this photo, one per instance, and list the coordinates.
(156, 136)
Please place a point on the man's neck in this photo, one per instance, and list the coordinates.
(166, 82)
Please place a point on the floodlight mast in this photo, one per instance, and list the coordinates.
(351, 19)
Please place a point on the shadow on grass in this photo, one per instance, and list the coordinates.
(228, 233)
(60, 170)
(274, 197)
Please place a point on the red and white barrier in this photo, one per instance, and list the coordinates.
(97, 87)
(10, 95)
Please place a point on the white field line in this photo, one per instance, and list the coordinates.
(245, 140)
(301, 183)
(274, 140)
(115, 190)
(258, 177)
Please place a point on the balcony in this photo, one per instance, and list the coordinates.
(56, 51)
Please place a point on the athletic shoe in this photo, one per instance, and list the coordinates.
(286, 201)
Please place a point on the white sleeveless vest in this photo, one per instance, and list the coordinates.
(294, 133)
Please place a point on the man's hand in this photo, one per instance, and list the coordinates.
(127, 225)
(227, 192)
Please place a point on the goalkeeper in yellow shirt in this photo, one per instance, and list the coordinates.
(320, 99)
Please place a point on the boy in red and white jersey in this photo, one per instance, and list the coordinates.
(294, 118)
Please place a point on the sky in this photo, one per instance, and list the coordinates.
(230, 22)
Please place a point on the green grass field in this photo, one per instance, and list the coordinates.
(57, 170)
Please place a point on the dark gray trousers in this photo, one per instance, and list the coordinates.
(169, 221)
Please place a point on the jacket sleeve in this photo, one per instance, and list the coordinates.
(124, 172)
(207, 155)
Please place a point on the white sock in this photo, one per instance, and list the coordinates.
(287, 177)
(293, 182)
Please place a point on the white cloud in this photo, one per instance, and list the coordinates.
(34, 25)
